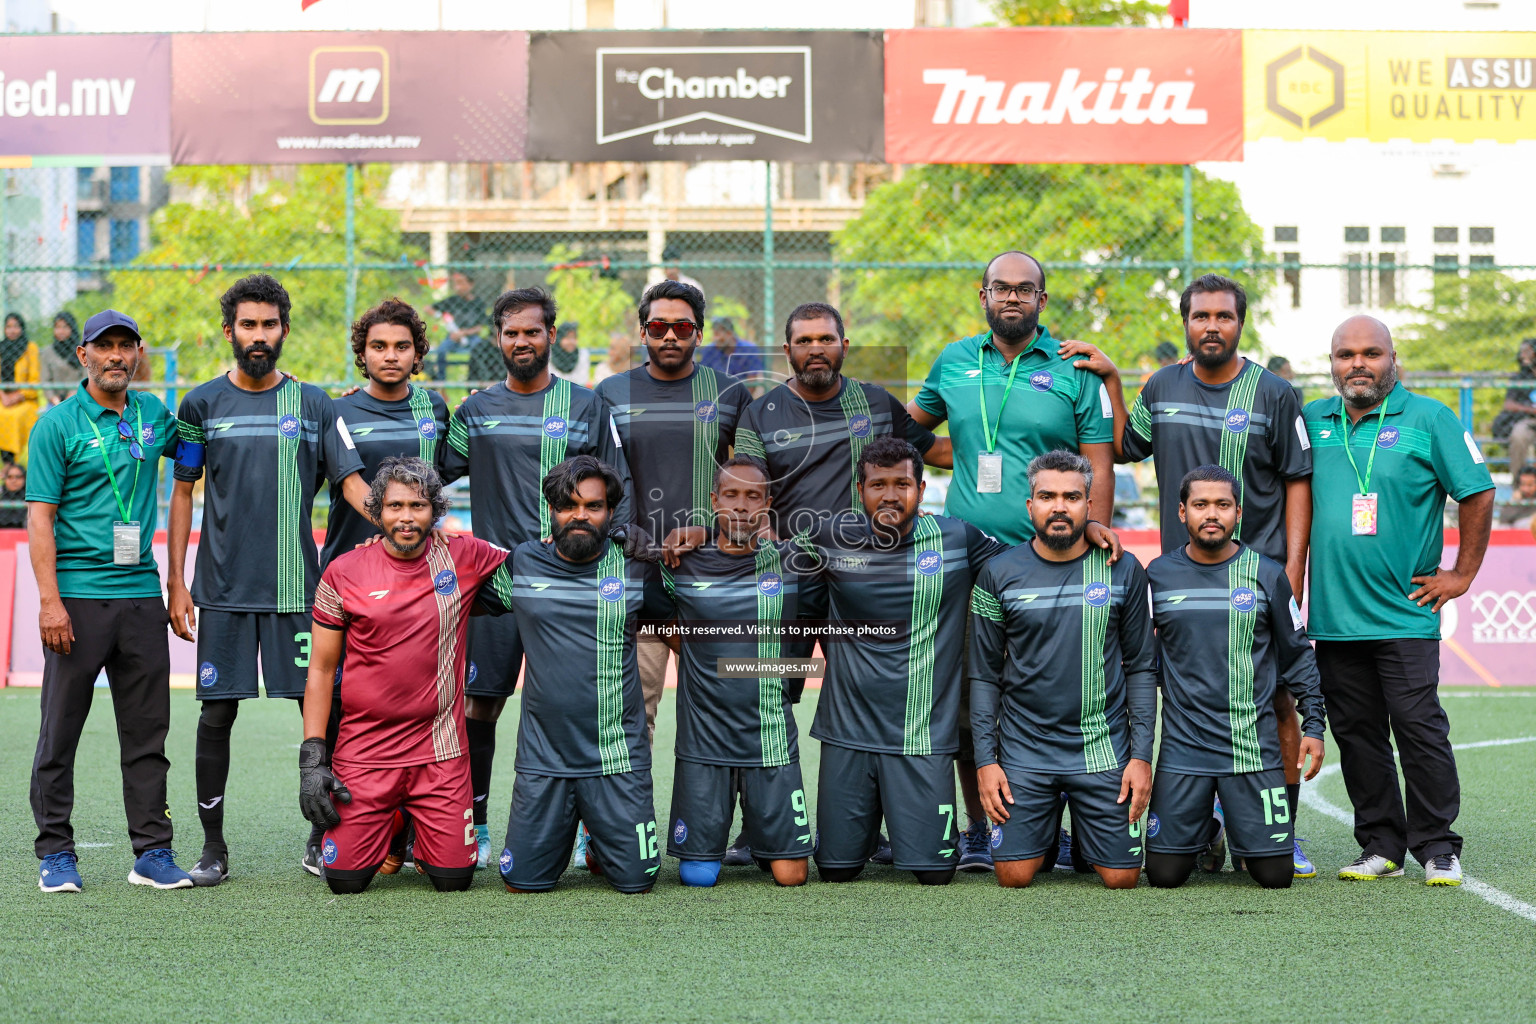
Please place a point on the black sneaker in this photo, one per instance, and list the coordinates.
(311, 861)
(738, 854)
(212, 868)
(882, 854)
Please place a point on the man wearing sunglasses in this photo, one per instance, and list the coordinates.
(90, 532)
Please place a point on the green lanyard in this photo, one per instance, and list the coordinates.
(138, 464)
(1364, 482)
(989, 431)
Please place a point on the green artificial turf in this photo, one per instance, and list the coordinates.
(274, 945)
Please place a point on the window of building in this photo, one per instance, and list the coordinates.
(1285, 235)
(1480, 236)
(1447, 283)
(1447, 236)
(1394, 235)
(125, 240)
(1481, 260)
(1386, 278)
(1357, 279)
(125, 185)
(1357, 234)
(85, 237)
(1292, 276)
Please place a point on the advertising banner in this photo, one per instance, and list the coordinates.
(1488, 634)
(1384, 86)
(344, 97)
(84, 100)
(1063, 95)
(704, 96)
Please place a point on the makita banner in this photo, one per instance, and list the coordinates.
(344, 97)
(1063, 95)
(704, 96)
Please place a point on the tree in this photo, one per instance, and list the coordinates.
(595, 300)
(1079, 12)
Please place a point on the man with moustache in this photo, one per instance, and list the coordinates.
(265, 442)
(90, 534)
(1386, 459)
(507, 438)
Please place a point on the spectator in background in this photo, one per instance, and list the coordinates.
(619, 360)
(566, 357)
(1516, 423)
(1166, 354)
(13, 498)
(1519, 513)
(59, 363)
(18, 408)
(730, 354)
(672, 272)
(465, 319)
(1281, 367)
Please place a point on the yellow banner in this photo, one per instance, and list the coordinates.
(1384, 86)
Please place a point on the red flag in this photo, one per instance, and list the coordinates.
(307, 3)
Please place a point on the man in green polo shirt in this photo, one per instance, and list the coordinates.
(1009, 395)
(90, 531)
(1384, 460)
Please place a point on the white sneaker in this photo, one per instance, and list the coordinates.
(1369, 868)
(1443, 870)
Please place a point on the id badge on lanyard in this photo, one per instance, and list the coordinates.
(125, 543)
(1362, 515)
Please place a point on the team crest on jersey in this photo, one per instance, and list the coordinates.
(506, 860)
(1388, 437)
(1237, 420)
(1153, 825)
(995, 837)
(860, 425)
(1042, 380)
(680, 832)
(427, 427)
(1244, 600)
(611, 588)
(288, 426)
(147, 434)
(706, 411)
(769, 584)
(207, 674)
(329, 852)
(1096, 594)
(554, 427)
(929, 562)
(445, 581)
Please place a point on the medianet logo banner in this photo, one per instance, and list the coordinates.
(704, 96)
(1063, 95)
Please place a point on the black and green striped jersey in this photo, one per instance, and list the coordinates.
(582, 710)
(896, 694)
(1228, 632)
(812, 448)
(416, 425)
(674, 432)
(1062, 677)
(508, 443)
(265, 454)
(1251, 426)
(744, 723)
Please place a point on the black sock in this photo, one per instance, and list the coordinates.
(482, 752)
(1293, 798)
(212, 769)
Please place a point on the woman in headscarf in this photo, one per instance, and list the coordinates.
(566, 356)
(57, 364)
(18, 408)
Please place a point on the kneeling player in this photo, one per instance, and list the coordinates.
(399, 609)
(735, 734)
(1063, 694)
(1229, 628)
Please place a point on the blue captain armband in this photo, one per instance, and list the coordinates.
(189, 454)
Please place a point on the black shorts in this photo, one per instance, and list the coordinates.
(495, 657)
(1253, 804)
(774, 816)
(617, 810)
(228, 644)
(1101, 828)
(915, 793)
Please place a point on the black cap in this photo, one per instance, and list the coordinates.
(99, 324)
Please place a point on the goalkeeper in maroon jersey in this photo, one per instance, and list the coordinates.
(397, 612)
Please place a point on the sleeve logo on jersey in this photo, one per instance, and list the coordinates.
(1041, 380)
(427, 427)
(1237, 420)
(1096, 594)
(929, 562)
(611, 588)
(147, 435)
(996, 836)
(769, 584)
(288, 426)
(860, 426)
(329, 851)
(1153, 825)
(1388, 437)
(207, 674)
(506, 860)
(444, 582)
(1244, 600)
(680, 832)
(706, 411)
(554, 427)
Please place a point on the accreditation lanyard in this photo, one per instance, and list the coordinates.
(989, 464)
(1363, 506)
(125, 532)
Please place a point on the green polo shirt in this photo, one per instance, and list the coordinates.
(1360, 584)
(65, 468)
(1052, 405)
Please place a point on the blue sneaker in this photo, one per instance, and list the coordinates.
(59, 873)
(1064, 849)
(1301, 864)
(158, 868)
(882, 854)
(976, 848)
(482, 845)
